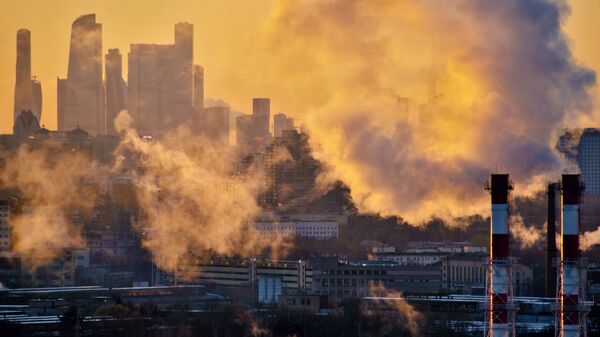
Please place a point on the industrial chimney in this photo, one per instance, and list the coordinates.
(499, 303)
(551, 251)
(571, 293)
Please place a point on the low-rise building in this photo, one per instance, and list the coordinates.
(269, 279)
(310, 229)
(408, 259)
(339, 278)
(454, 247)
(467, 274)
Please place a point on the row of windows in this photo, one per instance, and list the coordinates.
(354, 272)
(350, 282)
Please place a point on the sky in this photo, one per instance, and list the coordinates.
(223, 31)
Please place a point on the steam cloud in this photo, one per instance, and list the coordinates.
(527, 236)
(487, 85)
(52, 183)
(409, 317)
(590, 239)
(192, 200)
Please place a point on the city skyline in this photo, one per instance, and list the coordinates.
(217, 44)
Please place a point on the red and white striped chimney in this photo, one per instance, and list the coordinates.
(570, 278)
(501, 308)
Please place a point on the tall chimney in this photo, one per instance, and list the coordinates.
(571, 313)
(551, 251)
(500, 313)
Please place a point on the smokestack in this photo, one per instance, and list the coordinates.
(500, 314)
(570, 290)
(551, 251)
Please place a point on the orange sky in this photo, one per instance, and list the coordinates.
(224, 31)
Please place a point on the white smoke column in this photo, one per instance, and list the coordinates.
(192, 199)
(410, 318)
(527, 236)
(490, 81)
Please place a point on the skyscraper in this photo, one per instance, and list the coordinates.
(198, 89)
(215, 123)
(115, 88)
(160, 82)
(281, 122)
(261, 110)
(36, 95)
(588, 158)
(28, 92)
(81, 94)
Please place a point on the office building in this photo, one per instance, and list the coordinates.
(198, 89)
(341, 278)
(261, 110)
(26, 125)
(116, 89)
(291, 173)
(5, 230)
(28, 91)
(466, 274)
(588, 158)
(281, 123)
(266, 278)
(80, 97)
(160, 83)
(319, 230)
(215, 124)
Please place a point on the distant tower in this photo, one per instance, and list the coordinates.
(183, 76)
(198, 89)
(23, 92)
(281, 123)
(160, 83)
(571, 313)
(115, 88)
(261, 110)
(588, 159)
(81, 96)
(36, 93)
(499, 303)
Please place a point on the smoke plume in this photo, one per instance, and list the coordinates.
(527, 236)
(52, 184)
(590, 239)
(409, 317)
(414, 103)
(192, 198)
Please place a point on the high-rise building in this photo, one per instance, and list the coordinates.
(290, 181)
(281, 122)
(115, 88)
(36, 93)
(28, 92)
(588, 158)
(81, 95)
(160, 83)
(246, 136)
(261, 110)
(5, 230)
(215, 123)
(26, 124)
(198, 89)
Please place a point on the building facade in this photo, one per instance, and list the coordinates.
(588, 158)
(5, 230)
(340, 278)
(467, 273)
(80, 96)
(320, 230)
